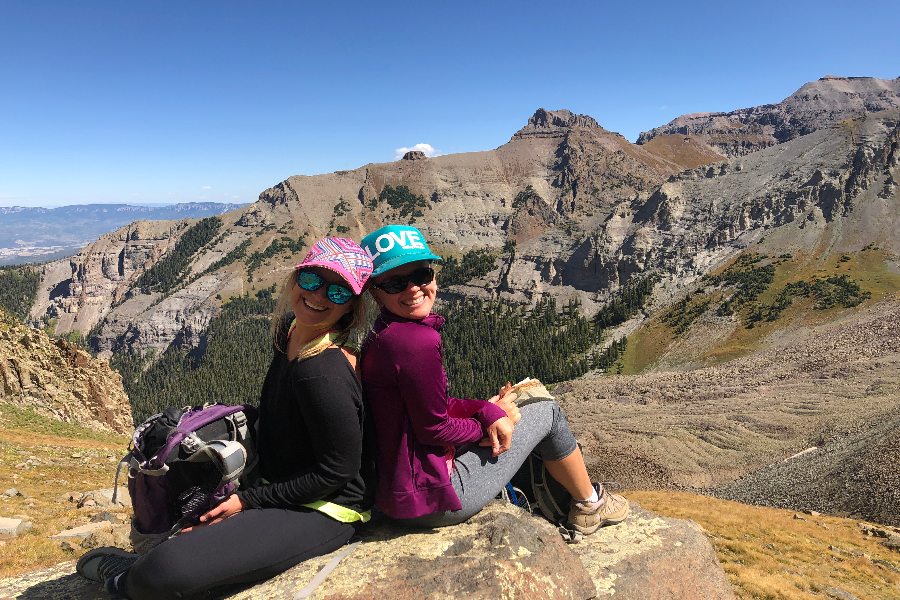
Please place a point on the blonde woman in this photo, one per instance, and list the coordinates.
(315, 458)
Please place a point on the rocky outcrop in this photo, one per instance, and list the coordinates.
(501, 553)
(555, 123)
(814, 106)
(95, 294)
(576, 167)
(414, 155)
(58, 379)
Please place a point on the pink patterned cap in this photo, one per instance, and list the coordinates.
(344, 257)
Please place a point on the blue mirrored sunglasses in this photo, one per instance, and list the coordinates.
(337, 293)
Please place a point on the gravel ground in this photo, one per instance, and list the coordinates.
(855, 473)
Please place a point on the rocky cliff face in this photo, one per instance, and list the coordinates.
(575, 167)
(834, 187)
(818, 104)
(60, 380)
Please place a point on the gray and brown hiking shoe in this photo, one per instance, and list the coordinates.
(588, 517)
(104, 565)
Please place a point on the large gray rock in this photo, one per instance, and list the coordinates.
(82, 531)
(10, 527)
(501, 553)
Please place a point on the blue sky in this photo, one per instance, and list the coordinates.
(148, 102)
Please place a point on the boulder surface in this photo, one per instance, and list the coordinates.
(502, 553)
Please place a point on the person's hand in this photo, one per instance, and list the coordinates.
(499, 436)
(231, 506)
(508, 403)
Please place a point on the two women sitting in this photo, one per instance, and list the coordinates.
(439, 459)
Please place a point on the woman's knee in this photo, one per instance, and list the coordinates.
(162, 574)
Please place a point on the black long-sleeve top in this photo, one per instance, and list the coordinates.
(313, 440)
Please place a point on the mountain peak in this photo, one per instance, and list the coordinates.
(553, 123)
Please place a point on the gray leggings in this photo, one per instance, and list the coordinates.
(478, 477)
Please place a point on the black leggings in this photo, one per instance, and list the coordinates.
(247, 548)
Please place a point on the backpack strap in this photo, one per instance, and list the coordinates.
(228, 456)
(569, 535)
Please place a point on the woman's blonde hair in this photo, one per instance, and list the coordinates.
(345, 326)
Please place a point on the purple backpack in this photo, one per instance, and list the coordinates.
(183, 462)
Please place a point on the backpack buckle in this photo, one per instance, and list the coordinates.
(191, 443)
(239, 420)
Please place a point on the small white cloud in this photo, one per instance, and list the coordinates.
(428, 149)
(207, 187)
(664, 107)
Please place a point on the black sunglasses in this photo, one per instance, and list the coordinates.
(337, 293)
(395, 285)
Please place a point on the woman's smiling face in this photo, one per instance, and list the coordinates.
(414, 302)
(313, 309)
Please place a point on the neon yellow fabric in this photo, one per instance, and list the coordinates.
(338, 512)
(313, 347)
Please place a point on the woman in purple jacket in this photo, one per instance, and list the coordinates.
(441, 459)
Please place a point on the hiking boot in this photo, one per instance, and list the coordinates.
(588, 517)
(103, 565)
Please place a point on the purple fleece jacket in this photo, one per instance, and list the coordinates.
(415, 420)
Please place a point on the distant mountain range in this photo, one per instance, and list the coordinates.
(39, 234)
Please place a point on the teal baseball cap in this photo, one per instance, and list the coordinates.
(395, 245)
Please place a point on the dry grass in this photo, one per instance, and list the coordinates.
(769, 553)
(46, 460)
(684, 150)
(765, 552)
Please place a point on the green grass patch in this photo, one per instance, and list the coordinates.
(29, 420)
(645, 346)
(818, 288)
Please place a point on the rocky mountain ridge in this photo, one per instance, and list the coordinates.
(815, 105)
(29, 234)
